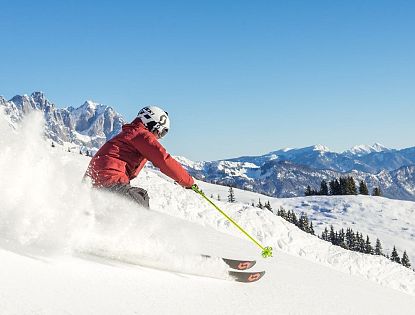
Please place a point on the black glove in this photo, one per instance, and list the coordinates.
(189, 187)
(193, 187)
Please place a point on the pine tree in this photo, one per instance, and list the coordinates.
(351, 186)
(218, 197)
(332, 236)
(363, 190)
(378, 247)
(308, 191)
(359, 243)
(350, 239)
(343, 186)
(405, 260)
(335, 187)
(368, 246)
(259, 205)
(376, 192)
(69, 149)
(294, 218)
(268, 206)
(341, 238)
(231, 195)
(311, 228)
(325, 235)
(289, 217)
(362, 244)
(80, 152)
(53, 145)
(332, 187)
(324, 189)
(394, 256)
(282, 213)
(303, 222)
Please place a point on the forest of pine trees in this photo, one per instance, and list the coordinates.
(356, 242)
(341, 186)
(302, 223)
(349, 239)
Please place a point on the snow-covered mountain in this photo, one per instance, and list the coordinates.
(281, 173)
(365, 149)
(288, 179)
(321, 157)
(64, 248)
(88, 126)
(286, 173)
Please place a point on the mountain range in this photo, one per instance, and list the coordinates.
(281, 173)
(287, 173)
(88, 126)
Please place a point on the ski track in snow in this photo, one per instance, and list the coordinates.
(48, 219)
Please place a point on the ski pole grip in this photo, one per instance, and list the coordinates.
(196, 189)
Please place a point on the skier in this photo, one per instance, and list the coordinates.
(120, 159)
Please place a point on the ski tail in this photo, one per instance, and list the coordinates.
(239, 264)
(236, 264)
(246, 277)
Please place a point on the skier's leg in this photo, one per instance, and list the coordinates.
(139, 195)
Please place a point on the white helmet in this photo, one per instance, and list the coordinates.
(155, 119)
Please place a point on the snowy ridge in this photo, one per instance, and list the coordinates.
(365, 149)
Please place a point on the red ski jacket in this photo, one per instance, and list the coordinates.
(121, 159)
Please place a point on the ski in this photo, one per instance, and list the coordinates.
(233, 275)
(236, 264)
(239, 264)
(246, 277)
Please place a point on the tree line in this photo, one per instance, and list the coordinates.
(345, 185)
(348, 239)
(355, 241)
(303, 222)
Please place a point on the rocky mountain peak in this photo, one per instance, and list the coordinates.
(89, 125)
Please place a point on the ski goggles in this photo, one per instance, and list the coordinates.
(163, 132)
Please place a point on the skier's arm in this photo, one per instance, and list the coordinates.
(153, 151)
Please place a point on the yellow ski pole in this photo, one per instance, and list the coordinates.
(266, 251)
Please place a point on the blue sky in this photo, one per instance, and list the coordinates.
(237, 77)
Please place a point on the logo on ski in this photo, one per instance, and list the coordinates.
(254, 277)
(244, 266)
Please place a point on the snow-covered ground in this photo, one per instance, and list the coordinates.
(64, 248)
(390, 220)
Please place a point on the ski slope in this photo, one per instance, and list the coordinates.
(390, 220)
(66, 249)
